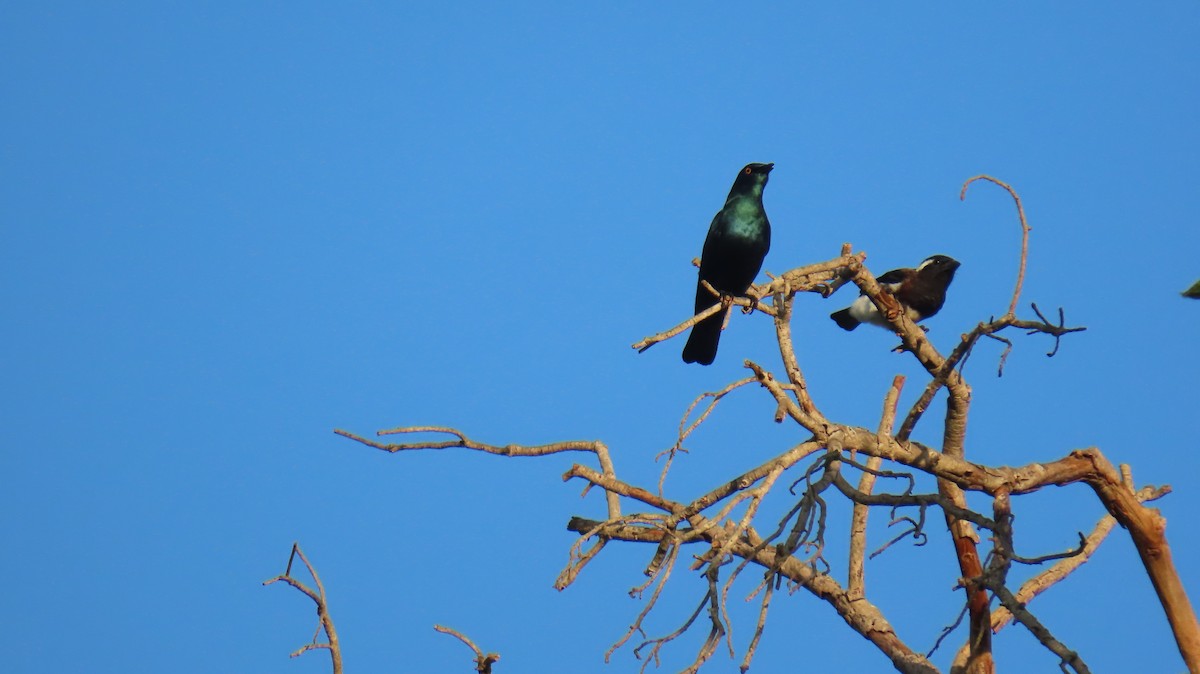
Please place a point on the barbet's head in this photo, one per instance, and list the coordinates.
(938, 270)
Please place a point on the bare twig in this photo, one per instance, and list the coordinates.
(855, 583)
(595, 447)
(483, 663)
(947, 631)
(706, 649)
(768, 593)
(686, 429)
(962, 195)
(661, 575)
(324, 622)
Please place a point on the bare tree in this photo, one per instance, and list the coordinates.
(728, 535)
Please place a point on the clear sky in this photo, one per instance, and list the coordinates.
(227, 229)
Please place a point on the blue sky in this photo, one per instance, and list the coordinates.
(226, 230)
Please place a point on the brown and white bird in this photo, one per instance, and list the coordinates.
(921, 291)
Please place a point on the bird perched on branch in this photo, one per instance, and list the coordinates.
(921, 291)
(738, 240)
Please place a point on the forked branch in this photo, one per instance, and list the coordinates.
(324, 622)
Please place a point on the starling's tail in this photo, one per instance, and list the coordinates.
(844, 320)
(701, 346)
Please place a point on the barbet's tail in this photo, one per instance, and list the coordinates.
(844, 320)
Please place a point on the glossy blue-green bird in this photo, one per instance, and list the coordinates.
(738, 240)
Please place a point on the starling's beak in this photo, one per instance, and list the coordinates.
(769, 167)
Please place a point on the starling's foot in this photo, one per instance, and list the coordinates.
(752, 307)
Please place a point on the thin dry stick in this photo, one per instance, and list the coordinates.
(650, 341)
(483, 663)
(855, 584)
(656, 644)
(761, 625)
(324, 621)
(1025, 228)
(787, 350)
(686, 430)
(662, 574)
(595, 447)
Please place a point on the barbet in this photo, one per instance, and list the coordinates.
(921, 292)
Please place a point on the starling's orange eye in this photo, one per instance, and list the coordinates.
(747, 170)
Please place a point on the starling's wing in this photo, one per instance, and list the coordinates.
(702, 343)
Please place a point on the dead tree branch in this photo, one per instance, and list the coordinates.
(483, 663)
(1025, 229)
(324, 622)
(686, 429)
(595, 447)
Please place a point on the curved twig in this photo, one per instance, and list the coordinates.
(483, 663)
(1025, 228)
